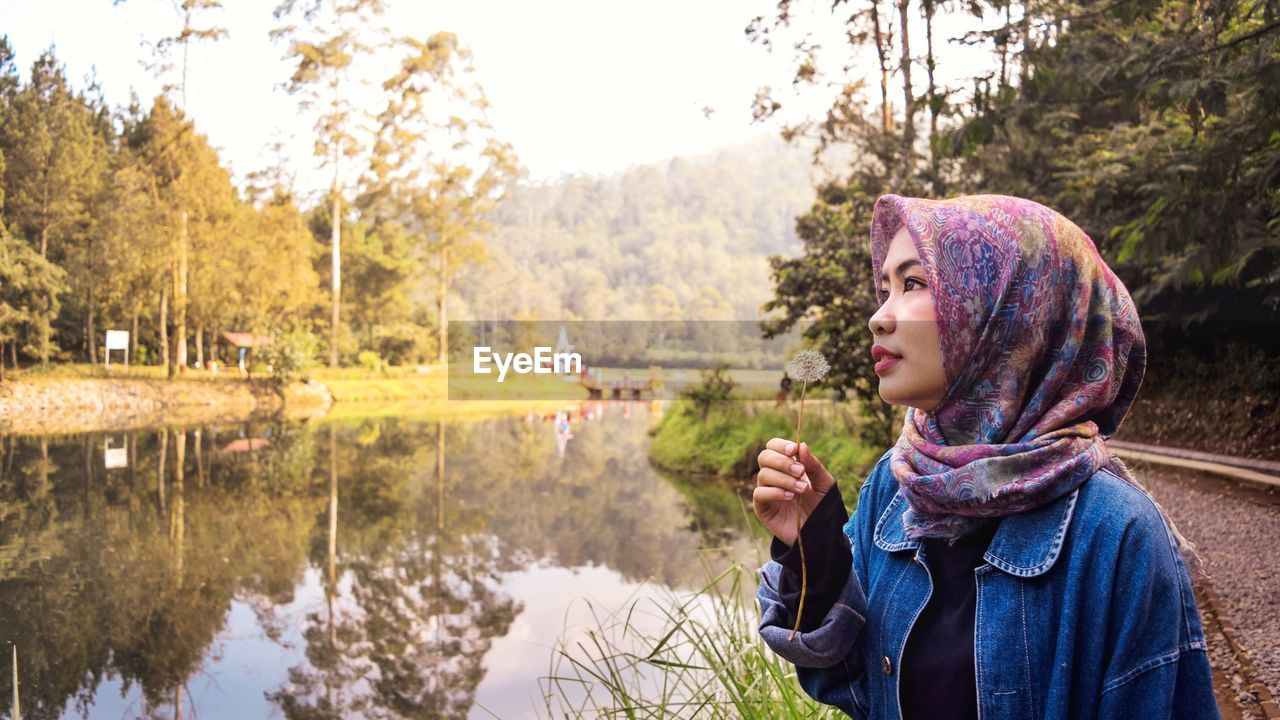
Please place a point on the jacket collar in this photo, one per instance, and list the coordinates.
(1025, 545)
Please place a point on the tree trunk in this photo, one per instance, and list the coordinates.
(909, 112)
(337, 274)
(89, 333)
(13, 355)
(164, 326)
(442, 292)
(180, 302)
(200, 345)
(1, 361)
(133, 337)
(882, 53)
(930, 66)
(1026, 42)
(1003, 41)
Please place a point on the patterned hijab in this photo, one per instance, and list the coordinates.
(1042, 351)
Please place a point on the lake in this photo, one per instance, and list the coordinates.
(381, 566)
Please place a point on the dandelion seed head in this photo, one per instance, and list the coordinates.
(808, 366)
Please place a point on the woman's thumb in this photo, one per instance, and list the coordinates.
(816, 470)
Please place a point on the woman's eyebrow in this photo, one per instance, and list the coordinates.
(902, 267)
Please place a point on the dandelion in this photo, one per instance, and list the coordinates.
(808, 366)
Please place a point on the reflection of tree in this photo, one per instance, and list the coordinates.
(100, 576)
(601, 504)
(129, 573)
(421, 602)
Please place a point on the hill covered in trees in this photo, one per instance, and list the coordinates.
(687, 239)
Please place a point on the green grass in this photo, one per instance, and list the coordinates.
(393, 384)
(727, 442)
(701, 655)
(705, 659)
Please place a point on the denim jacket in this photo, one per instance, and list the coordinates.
(1084, 610)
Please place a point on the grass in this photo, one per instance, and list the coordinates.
(727, 442)
(703, 658)
(700, 655)
(393, 384)
(85, 371)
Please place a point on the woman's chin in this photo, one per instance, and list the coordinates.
(892, 399)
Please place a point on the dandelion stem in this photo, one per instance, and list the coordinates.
(804, 567)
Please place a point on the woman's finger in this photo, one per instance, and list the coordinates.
(782, 446)
(764, 496)
(778, 461)
(773, 478)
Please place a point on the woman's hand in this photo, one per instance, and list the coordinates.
(781, 480)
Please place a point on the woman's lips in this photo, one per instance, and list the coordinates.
(887, 362)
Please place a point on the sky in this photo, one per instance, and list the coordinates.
(576, 86)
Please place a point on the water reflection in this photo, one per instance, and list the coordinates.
(361, 569)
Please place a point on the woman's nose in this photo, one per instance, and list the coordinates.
(881, 322)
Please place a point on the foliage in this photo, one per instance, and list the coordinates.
(679, 239)
(831, 285)
(327, 46)
(704, 659)
(727, 443)
(1153, 125)
(715, 390)
(438, 162)
(29, 287)
(290, 354)
(371, 361)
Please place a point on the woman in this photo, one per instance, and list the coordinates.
(1000, 563)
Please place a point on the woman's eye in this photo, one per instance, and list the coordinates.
(913, 280)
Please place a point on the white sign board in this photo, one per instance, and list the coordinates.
(117, 340)
(114, 457)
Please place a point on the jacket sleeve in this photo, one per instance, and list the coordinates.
(830, 660)
(1158, 665)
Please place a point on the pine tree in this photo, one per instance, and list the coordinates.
(325, 52)
(437, 152)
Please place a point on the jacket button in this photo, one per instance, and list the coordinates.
(888, 666)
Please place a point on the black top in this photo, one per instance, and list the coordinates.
(938, 675)
(938, 680)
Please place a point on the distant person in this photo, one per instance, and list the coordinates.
(784, 388)
(1000, 563)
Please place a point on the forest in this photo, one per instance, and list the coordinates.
(1152, 124)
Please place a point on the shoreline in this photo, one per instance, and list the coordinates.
(57, 406)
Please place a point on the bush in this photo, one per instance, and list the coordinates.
(403, 343)
(289, 355)
(371, 361)
(716, 389)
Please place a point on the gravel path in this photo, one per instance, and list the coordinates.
(1236, 528)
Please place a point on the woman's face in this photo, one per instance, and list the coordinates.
(905, 326)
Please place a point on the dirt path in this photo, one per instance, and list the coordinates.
(1236, 528)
